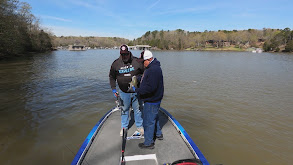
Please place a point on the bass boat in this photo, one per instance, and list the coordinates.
(105, 146)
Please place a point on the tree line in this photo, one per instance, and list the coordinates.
(268, 39)
(20, 30)
(91, 41)
(20, 33)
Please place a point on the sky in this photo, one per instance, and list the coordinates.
(133, 18)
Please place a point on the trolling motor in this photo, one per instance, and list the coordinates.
(185, 162)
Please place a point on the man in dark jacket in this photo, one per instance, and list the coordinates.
(122, 70)
(151, 91)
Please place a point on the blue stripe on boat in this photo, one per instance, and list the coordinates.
(88, 139)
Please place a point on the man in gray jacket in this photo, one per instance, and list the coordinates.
(122, 70)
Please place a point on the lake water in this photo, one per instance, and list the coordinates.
(236, 106)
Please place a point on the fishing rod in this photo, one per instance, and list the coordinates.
(119, 103)
(122, 162)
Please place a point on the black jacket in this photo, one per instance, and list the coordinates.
(152, 85)
(123, 72)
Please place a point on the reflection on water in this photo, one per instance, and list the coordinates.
(237, 102)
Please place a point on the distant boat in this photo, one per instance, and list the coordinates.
(257, 50)
(77, 47)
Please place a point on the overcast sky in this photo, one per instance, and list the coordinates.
(131, 19)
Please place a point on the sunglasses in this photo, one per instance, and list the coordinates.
(125, 54)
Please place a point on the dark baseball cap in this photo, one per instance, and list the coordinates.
(124, 49)
(141, 57)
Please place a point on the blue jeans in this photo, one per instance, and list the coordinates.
(130, 99)
(151, 122)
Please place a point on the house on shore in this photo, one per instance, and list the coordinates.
(76, 47)
(140, 47)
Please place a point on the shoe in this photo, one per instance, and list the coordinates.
(142, 146)
(121, 132)
(140, 130)
(160, 137)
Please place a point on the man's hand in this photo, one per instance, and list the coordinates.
(115, 93)
(131, 89)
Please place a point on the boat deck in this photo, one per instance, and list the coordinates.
(106, 147)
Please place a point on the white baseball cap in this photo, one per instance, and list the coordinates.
(147, 55)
